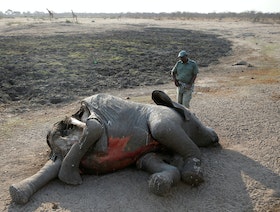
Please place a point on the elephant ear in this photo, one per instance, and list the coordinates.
(161, 98)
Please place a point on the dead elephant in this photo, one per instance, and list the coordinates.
(108, 134)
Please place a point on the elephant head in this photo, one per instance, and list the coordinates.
(194, 128)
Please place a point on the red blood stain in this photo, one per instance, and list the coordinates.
(116, 157)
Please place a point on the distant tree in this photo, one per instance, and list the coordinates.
(9, 12)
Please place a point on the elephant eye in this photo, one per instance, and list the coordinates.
(64, 133)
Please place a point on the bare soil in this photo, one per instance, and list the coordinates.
(47, 67)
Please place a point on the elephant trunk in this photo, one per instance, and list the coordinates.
(22, 191)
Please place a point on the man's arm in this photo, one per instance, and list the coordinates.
(176, 82)
(195, 72)
(173, 73)
(193, 79)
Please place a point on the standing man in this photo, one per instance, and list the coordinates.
(184, 74)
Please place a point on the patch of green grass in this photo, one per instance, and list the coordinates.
(43, 72)
(270, 48)
(8, 127)
(133, 72)
(13, 23)
(116, 58)
(55, 63)
(77, 55)
(252, 77)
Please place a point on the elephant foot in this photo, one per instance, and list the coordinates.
(70, 175)
(191, 172)
(160, 184)
(19, 195)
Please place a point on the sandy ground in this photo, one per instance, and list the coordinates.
(241, 103)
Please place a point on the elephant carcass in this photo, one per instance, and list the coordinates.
(109, 133)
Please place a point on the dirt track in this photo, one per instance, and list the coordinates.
(240, 102)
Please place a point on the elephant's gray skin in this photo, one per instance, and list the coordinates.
(109, 133)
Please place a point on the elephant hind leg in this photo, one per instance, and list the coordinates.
(163, 177)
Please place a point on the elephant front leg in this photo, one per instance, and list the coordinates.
(22, 191)
(163, 177)
(191, 172)
(69, 171)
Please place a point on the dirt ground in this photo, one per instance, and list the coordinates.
(238, 96)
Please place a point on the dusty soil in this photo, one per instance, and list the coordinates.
(39, 86)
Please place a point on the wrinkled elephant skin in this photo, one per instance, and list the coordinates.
(109, 133)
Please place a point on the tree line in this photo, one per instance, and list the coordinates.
(248, 15)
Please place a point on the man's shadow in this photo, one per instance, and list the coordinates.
(239, 181)
(233, 182)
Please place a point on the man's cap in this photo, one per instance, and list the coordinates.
(182, 53)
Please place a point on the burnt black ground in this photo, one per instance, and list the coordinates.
(42, 70)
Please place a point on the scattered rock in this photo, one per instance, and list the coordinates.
(243, 63)
(56, 100)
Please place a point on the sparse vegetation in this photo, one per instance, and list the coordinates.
(253, 16)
